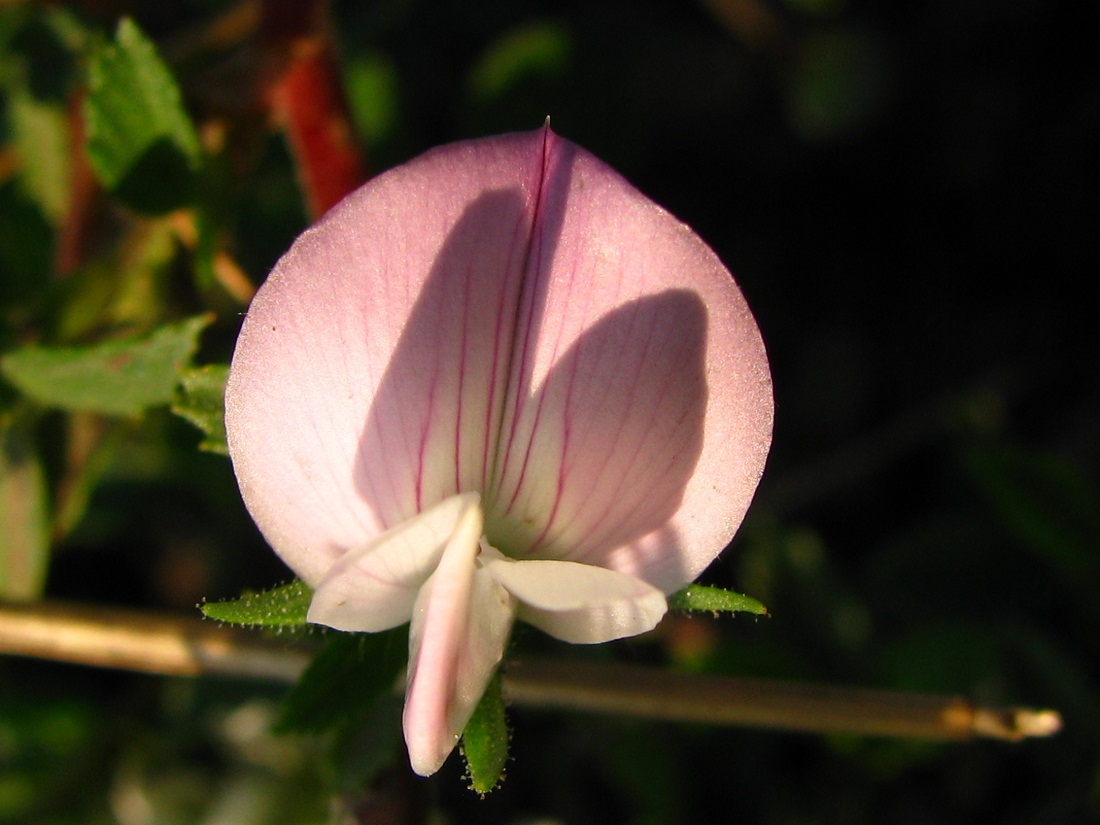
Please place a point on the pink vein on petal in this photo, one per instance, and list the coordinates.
(490, 443)
(626, 515)
(519, 379)
(596, 472)
(462, 353)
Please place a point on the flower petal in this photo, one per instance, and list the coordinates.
(580, 603)
(509, 316)
(374, 588)
(460, 625)
(369, 377)
(640, 401)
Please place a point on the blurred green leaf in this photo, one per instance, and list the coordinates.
(141, 142)
(41, 134)
(46, 742)
(117, 377)
(127, 289)
(373, 95)
(1047, 503)
(714, 600)
(201, 400)
(837, 83)
(536, 49)
(362, 750)
(945, 657)
(344, 680)
(283, 606)
(485, 740)
(25, 245)
(24, 512)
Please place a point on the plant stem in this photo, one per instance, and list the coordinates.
(762, 703)
(183, 646)
(144, 641)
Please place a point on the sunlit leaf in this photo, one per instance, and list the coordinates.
(116, 377)
(485, 740)
(41, 136)
(714, 600)
(24, 513)
(201, 400)
(141, 143)
(372, 91)
(283, 606)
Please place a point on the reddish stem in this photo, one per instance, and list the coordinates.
(308, 101)
(81, 221)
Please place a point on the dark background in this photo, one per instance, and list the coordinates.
(902, 192)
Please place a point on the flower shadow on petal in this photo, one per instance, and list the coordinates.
(605, 445)
(433, 424)
(616, 437)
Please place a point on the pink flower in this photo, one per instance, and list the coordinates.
(494, 383)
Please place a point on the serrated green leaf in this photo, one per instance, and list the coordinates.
(141, 143)
(485, 740)
(714, 600)
(24, 513)
(283, 606)
(117, 377)
(201, 400)
(344, 680)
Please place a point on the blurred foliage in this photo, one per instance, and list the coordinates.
(901, 191)
(137, 130)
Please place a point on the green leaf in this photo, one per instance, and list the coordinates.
(485, 740)
(1047, 503)
(26, 242)
(373, 94)
(283, 606)
(117, 377)
(201, 400)
(532, 50)
(363, 749)
(129, 288)
(42, 136)
(344, 681)
(141, 143)
(714, 600)
(24, 513)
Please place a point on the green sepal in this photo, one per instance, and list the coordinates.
(699, 597)
(283, 606)
(141, 142)
(116, 377)
(485, 740)
(201, 400)
(344, 680)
